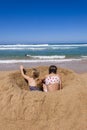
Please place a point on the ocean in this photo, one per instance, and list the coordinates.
(14, 53)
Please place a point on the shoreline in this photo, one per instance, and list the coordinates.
(76, 66)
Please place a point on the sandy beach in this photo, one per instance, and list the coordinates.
(65, 109)
(38, 34)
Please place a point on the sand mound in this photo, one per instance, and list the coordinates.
(21, 109)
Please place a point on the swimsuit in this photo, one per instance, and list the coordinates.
(52, 80)
(33, 88)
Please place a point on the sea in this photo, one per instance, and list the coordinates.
(42, 52)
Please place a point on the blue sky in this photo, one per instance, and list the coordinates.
(43, 21)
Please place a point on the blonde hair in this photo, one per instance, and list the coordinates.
(35, 73)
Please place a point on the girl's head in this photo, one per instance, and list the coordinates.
(35, 73)
(53, 69)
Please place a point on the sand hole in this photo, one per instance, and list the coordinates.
(17, 79)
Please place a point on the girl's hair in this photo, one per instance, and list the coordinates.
(35, 73)
(53, 69)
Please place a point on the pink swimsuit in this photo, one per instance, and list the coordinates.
(52, 80)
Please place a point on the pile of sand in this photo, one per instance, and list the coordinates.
(21, 109)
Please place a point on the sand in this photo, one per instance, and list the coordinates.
(21, 109)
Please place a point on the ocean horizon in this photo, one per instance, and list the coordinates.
(42, 52)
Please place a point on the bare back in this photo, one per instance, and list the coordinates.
(31, 81)
(53, 82)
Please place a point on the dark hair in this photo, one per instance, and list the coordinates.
(52, 69)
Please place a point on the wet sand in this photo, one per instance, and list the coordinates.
(77, 66)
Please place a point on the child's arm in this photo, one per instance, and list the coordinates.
(23, 73)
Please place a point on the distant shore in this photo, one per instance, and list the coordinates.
(77, 66)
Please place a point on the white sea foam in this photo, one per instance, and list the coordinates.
(40, 46)
(37, 61)
(24, 45)
(64, 48)
(15, 48)
(11, 48)
(70, 45)
(85, 57)
(36, 48)
(47, 57)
